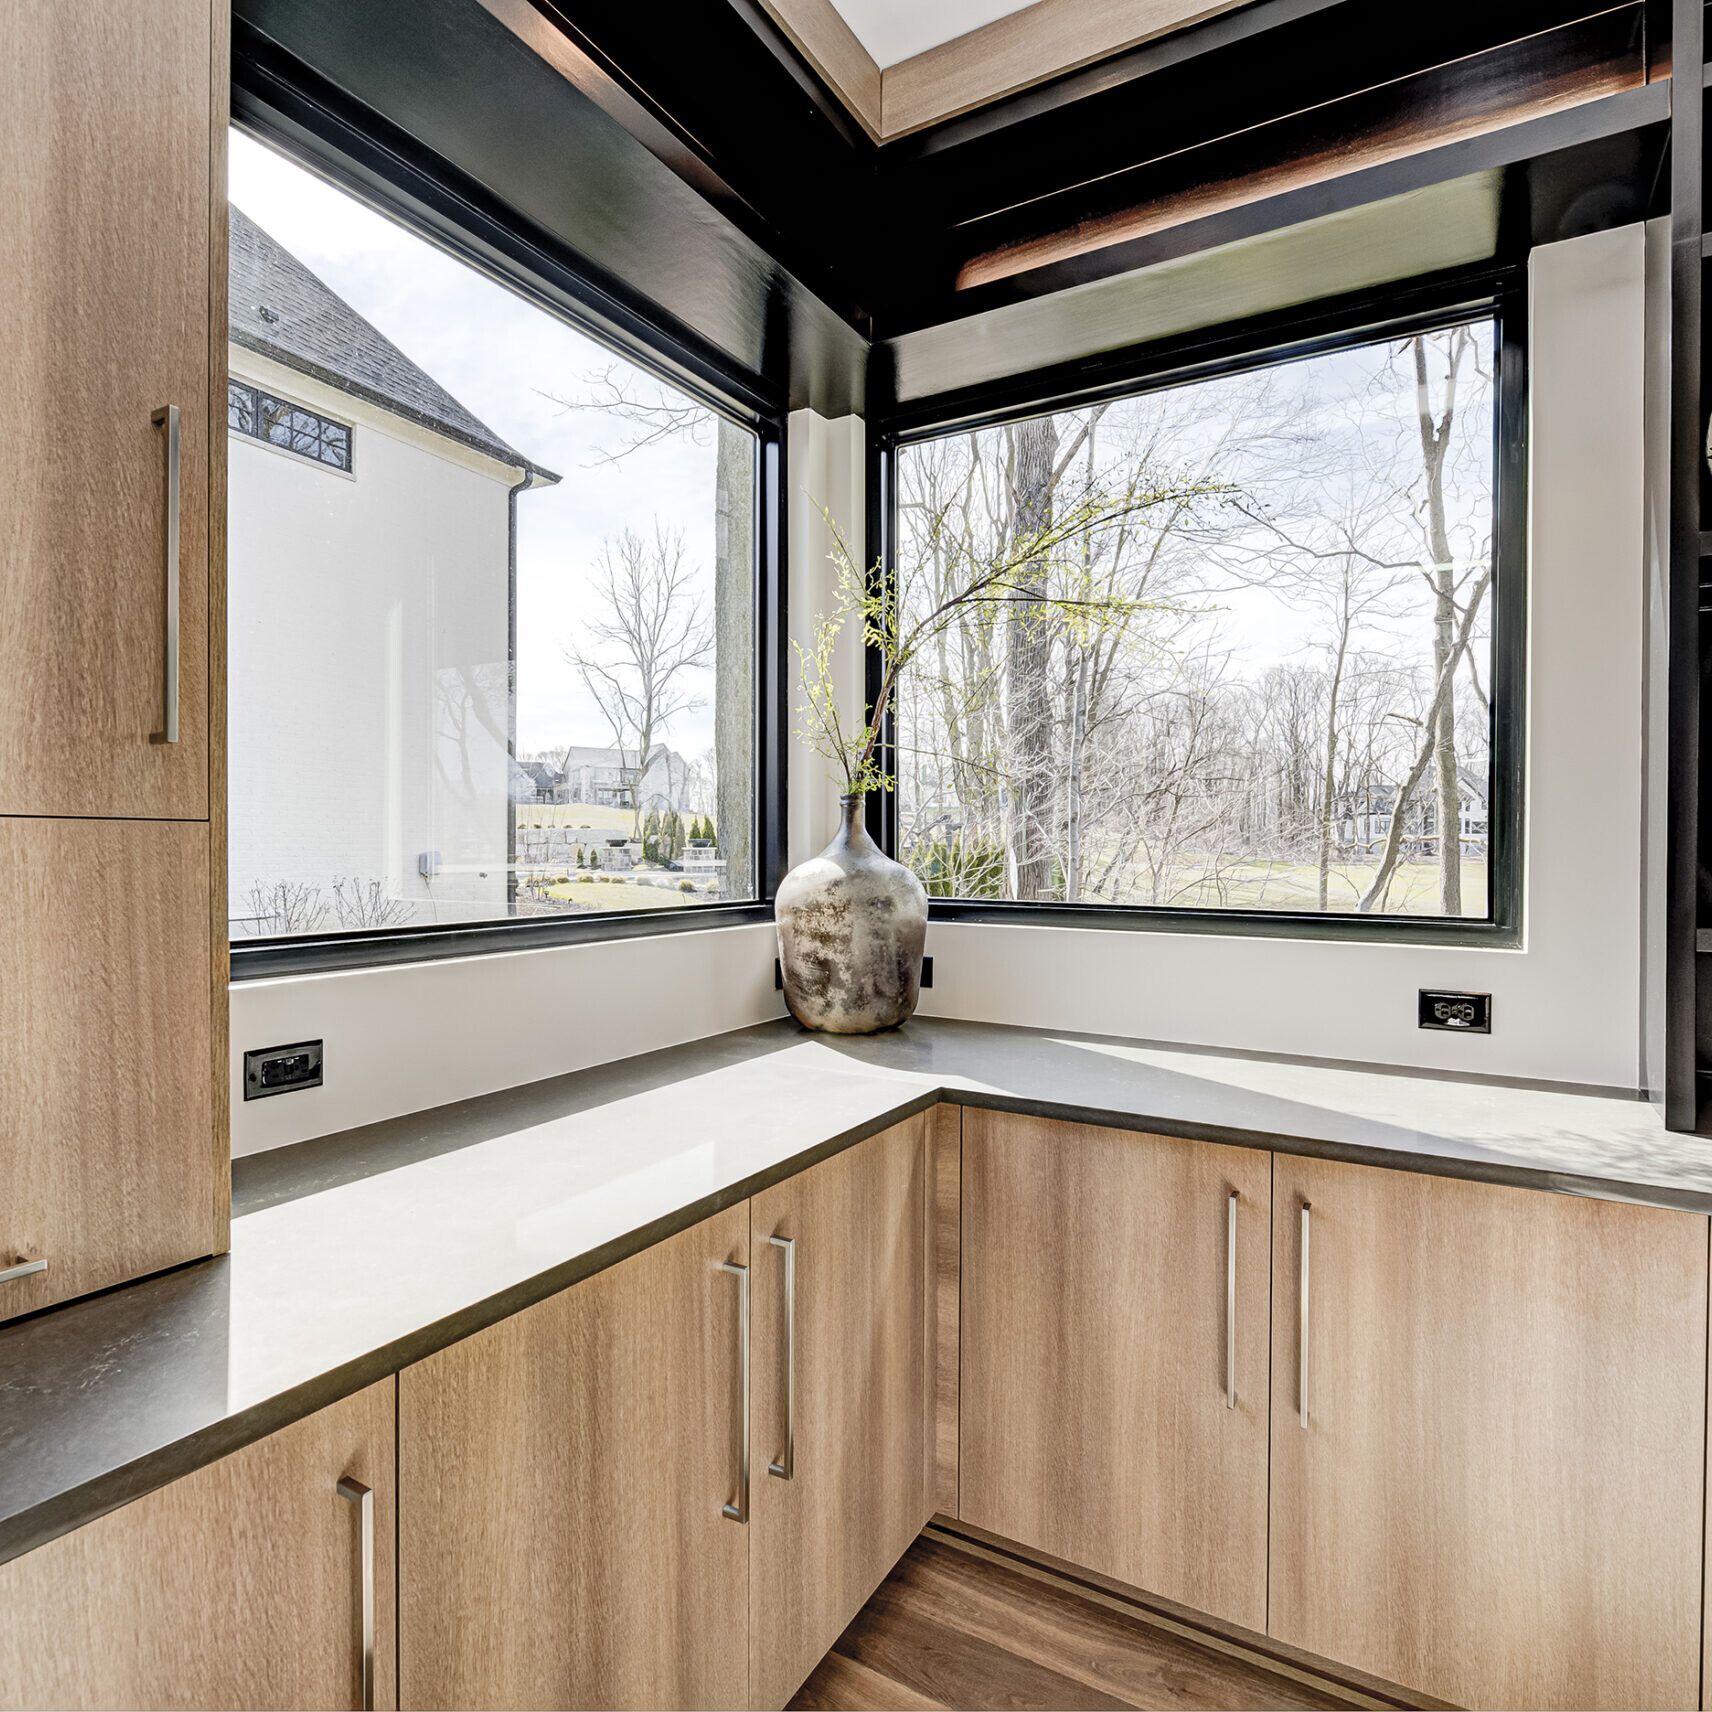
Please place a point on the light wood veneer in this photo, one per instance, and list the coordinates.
(1094, 1417)
(1498, 1496)
(861, 1486)
(109, 1154)
(561, 1480)
(237, 1586)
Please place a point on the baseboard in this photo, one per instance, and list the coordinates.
(1355, 1687)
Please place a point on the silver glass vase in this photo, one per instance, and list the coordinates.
(852, 924)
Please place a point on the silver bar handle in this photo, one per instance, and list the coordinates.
(24, 1269)
(167, 416)
(355, 1492)
(786, 1465)
(1302, 1328)
(739, 1512)
(1230, 1304)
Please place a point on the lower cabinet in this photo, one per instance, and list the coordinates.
(240, 1585)
(1115, 1386)
(566, 1479)
(842, 1396)
(595, 1513)
(1487, 1458)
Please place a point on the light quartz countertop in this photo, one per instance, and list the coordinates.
(355, 1255)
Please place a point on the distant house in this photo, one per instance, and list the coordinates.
(1362, 821)
(371, 527)
(609, 778)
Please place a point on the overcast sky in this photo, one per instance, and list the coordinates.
(499, 355)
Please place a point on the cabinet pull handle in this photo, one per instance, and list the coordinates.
(786, 1464)
(24, 1269)
(1302, 1328)
(739, 1512)
(167, 416)
(1230, 1304)
(355, 1492)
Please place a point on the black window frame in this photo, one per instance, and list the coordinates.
(425, 195)
(260, 398)
(1394, 311)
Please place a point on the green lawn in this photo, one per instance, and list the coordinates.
(603, 817)
(622, 895)
(1295, 886)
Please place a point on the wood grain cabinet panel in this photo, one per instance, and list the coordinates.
(562, 1477)
(843, 1372)
(237, 1586)
(1497, 1496)
(111, 1163)
(106, 297)
(1096, 1336)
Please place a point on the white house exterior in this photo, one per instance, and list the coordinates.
(383, 753)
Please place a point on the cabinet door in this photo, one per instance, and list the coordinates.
(1496, 1497)
(111, 1163)
(1098, 1334)
(107, 131)
(240, 1585)
(842, 1396)
(563, 1478)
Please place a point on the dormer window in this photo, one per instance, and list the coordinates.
(289, 426)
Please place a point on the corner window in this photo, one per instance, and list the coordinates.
(508, 676)
(1275, 675)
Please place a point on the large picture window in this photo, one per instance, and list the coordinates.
(1278, 696)
(504, 670)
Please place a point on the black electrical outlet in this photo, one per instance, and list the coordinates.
(1457, 1013)
(282, 1069)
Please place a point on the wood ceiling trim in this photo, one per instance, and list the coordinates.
(1012, 53)
(1410, 134)
(819, 33)
(1025, 48)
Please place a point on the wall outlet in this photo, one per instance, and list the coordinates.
(282, 1069)
(1457, 1013)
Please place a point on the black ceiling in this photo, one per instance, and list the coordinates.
(708, 189)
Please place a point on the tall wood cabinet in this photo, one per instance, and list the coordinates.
(241, 1585)
(842, 1377)
(112, 956)
(1115, 1386)
(1487, 1473)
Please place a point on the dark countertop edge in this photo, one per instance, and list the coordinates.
(88, 1501)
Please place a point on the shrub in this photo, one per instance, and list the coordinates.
(686, 885)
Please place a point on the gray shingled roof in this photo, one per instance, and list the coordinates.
(278, 308)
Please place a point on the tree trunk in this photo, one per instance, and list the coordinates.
(1029, 651)
(1434, 444)
(733, 660)
(1328, 784)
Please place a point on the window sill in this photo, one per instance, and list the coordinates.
(262, 959)
(1243, 924)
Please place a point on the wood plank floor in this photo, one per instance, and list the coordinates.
(952, 1630)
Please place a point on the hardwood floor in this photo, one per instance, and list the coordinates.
(949, 1629)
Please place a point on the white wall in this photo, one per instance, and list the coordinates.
(1565, 1007)
(825, 464)
(423, 1034)
(368, 625)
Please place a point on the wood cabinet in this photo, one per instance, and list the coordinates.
(843, 1395)
(240, 1585)
(113, 1002)
(1098, 1322)
(1497, 1495)
(111, 1161)
(563, 1477)
(112, 119)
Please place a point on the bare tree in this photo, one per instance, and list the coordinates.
(644, 646)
